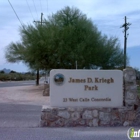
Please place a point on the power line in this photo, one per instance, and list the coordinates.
(15, 13)
(41, 6)
(117, 34)
(46, 1)
(47, 6)
(35, 8)
(29, 9)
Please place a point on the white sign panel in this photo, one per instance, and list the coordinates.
(86, 88)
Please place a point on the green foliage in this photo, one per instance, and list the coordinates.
(16, 77)
(13, 71)
(1, 71)
(66, 37)
(15, 52)
(138, 83)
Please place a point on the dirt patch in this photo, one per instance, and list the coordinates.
(24, 95)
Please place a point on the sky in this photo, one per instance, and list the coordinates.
(107, 15)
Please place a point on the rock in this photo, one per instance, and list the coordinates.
(87, 114)
(115, 115)
(81, 122)
(52, 124)
(46, 91)
(79, 109)
(122, 109)
(54, 111)
(95, 122)
(126, 78)
(131, 115)
(126, 123)
(60, 122)
(101, 115)
(138, 109)
(42, 116)
(105, 117)
(95, 113)
(133, 78)
(70, 123)
(130, 103)
(136, 122)
(89, 123)
(61, 109)
(71, 109)
(131, 72)
(133, 87)
(50, 117)
(75, 115)
(130, 95)
(64, 114)
(123, 116)
(107, 110)
(45, 108)
(46, 124)
(116, 123)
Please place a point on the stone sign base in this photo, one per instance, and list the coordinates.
(46, 91)
(90, 117)
(129, 115)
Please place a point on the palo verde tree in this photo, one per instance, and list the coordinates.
(65, 37)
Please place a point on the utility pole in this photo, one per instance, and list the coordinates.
(76, 64)
(37, 75)
(126, 27)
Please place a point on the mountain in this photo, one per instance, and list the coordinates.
(6, 70)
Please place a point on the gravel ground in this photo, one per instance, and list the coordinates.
(31, 95)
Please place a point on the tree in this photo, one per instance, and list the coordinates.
(137, 73)
(66, 37)
(2, 71)
(13, 71)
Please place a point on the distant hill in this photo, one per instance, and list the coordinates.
(6, 70)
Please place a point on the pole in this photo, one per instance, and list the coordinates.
(41, 18)
(126, 27)
(76, 64)
(37, 82)
(125, 40)
(37, 74)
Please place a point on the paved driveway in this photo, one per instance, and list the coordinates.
(17, 83)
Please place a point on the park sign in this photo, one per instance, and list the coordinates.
(86, 88)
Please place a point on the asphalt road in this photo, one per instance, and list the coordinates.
(17, 83)
(17, 115)
(63, 134)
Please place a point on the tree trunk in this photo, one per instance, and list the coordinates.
(37, 77)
